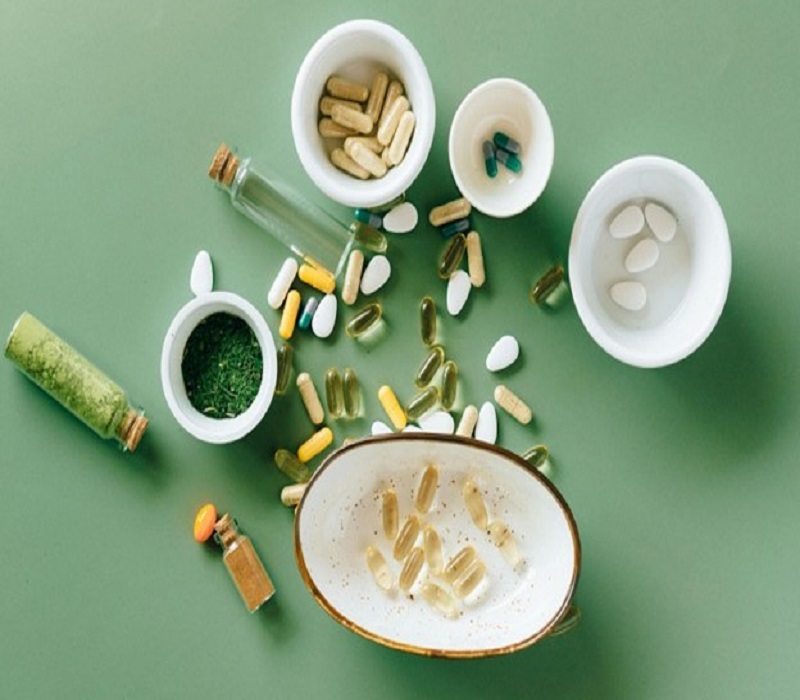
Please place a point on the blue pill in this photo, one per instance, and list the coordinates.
(454, 227)
(365, 216)
(489, 159)
(308, 313)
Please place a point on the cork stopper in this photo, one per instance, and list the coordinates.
(226, 530)
(223, 166)
(132, 429)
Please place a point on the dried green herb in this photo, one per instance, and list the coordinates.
(222, 366)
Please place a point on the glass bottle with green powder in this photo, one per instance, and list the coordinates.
(74, 382)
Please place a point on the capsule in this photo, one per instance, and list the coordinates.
(538, 457)
(454, 227)
(402, 136)
(504, 541)
(427, 318)
(469, 580)
(390, 514)
(392, 406)
(282, 283)
(423, 402)
(449, 385)
(468, 420)
(368, 236)
(329, 129)
(512, 162)
(346, 164)
(318, 442)
(411, 568)
(327, 103)
(452, 256)
(310, 397)
(370, 142)
(289, 316)
(204, 522)
(379, 568)
(353, 119)
(475, 267)
(308, 313)
(475, 505)
(352, 393)
(363, 320)
(426, 491)
(489, 159)
(429, 367)
(334, 392)
(512, 404)
(352, 277)
(504, 141)
(290, 465)
(450, 211)
(346, 89)
(377, 95)
(394, 91)
(317, 277)
(440, 599)
(365, 216)
(432, 546)
(292, 494)
(368, 160)
(459, 563)
(391, 118)
(546, 289)
(284, 369)
(406, 537)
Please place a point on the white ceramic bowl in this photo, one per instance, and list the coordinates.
(214, 430)
(339, 516)
(506, 105)
(687, 287)
(357, 50)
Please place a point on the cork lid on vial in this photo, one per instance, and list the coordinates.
(223, 166)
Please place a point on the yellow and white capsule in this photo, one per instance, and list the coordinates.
(512, 404)
(475, 505)
(379, 568)
(289, 316)
(318, 442)
(392, 407)
(426, 491)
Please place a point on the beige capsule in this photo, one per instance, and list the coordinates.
(368, 160)
(390, 514)
(394, 91)
(505, 542)
(346, 89)
(326, 105)
(401, 138)
(440, 599)
(292, 494)
(427, 489)
(344, 162)
(459, 563)
(370, 142)
(477, 272)
(469, 579)
(329, 129)
(352, 277)
(475, 505)
(406, 537)
(450, 211)
(469, 418)
(351, 119)
(379, 568)
(377, 95)
(432, 546)
(411, 568)
(390, 120)
(512, 404)
(310, 397)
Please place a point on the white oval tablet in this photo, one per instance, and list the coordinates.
(642, 256)
(503, 354)
(201, 280)
(280, 285)
(438, 422)
(486, 427)
(402, 219)
(380, 428)
(458, 288)
(376, 274)
(628, 222)
(324, 318)
(629, 295)
(661, 222)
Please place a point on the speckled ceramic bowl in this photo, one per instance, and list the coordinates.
(340, 516)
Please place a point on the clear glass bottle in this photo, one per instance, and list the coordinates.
(301, 226)
(74, 382)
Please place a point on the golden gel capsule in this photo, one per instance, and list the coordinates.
(346, 89)
(353, 119)
(392, 407)
(352, 393)
(512, 404)
(469, 580)
(539, 458)
(308, 392)
(345, 163)
(449, 384)
(432, 546)
(475, 267)
(411, 568)
(377, 95)
(284, 370)
(290, 465)
(317, 277)
(406, 537)
(427, 317)
(451, 211)
(504, 541)
(390, 514)
(475, 505)
(368, 236)
(452, 256)
(544, 289)
(469, 418)
(363, 320)
(459, 563)
(334, 392)
(426, 490)
(440, 599)
(379, 568)
(429, 367)
(315, 444)
(292, 495)
(352, 277)
(326, 105)
(423, 402)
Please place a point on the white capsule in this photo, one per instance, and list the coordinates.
(458, 289)
(661, 222)
(280, 285)
(201, 280)
(486, 427)
(438, 422)
(376, 274)
(642, 256)
(380, 428)
(628, 222)
(402, 219)
(352, 277)
(504, 353)
(631, 296)
(324, 318)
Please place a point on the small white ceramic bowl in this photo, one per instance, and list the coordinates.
(506, 105)
(686, 288)
(357, 50)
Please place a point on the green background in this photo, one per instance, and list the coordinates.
(683, 480)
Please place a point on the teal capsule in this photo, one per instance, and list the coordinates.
(308, 313)
(427, 318)
(288, 463)
(423, 402)
(505, 142)
(489, 159)
(284, 370)
(352, 393)
(334, 391)
(363, 320)
(365, 216)
(511, 161)
(449, 384)
(368, 237)
(429, 367)
(454, 227)
(547, 289)
(452, 256)
(383, 208)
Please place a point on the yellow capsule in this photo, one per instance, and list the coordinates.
(344, 162)
(317, 277)
(432, 546)
(326, 104)
(391, 118)
(406, 537)
(427, 317)
(440, 599)
(365, 319)
(401, 138)
(390, 514)
(469, 580)
(449, 384)
(289, 316)
(451, 211)
(468, 420)
(423, 402)
(292, 495)
(475, 505)
(411, 568)
(352, 277)
(329, 129)
(427, 489)
(477, 272)
(204, 522)
(308, 392)
(394, 91)
(379, 568)
(334, 392)
(512, 404)
(459, 563)
(290, 465)
(452, 256)
(351, 118)
(315, 444)
(352, 393)
(429, 367)
(392, 407)
(284, 370)
(504, 541)
(377, 95)
(346, 89)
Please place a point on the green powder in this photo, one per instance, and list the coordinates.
(222, 366)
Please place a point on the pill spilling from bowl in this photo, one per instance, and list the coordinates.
(528, 555)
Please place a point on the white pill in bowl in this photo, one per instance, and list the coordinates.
(642, 256)
(630, 295)
(661, 222)
(628, 222)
